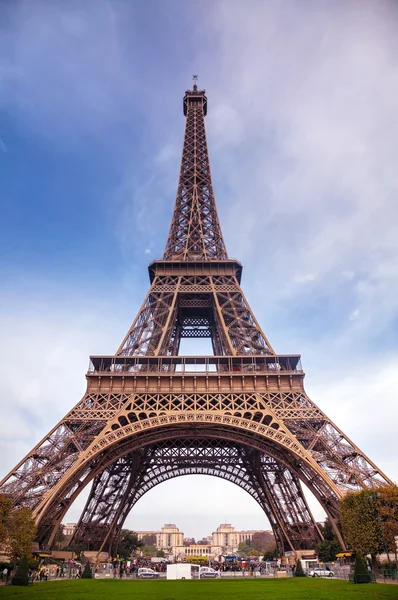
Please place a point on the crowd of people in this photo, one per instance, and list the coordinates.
(120, 569)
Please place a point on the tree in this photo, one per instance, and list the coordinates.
(128, 543)
(246, 549)
(21, 534)
(160, 554)
(263, 541)
(298, 572)
(370, 520)
(327, 550)
(327, 530)
(387, 501)
(5, 514)
(149, 550)
(21, 576)
(149, 540)
(330, 545)
(270, 554)
(87, 572)
(60, 538)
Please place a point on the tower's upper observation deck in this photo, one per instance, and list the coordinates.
(195, 96)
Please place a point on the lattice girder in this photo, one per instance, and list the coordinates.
(288, 513)
(172, 300)
(195, 232)
(125, 414)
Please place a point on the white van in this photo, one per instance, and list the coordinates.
(207, 572)
(183, 571)
(147, 573)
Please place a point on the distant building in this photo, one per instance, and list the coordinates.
(189, 541)
(229, 539)
(171, 540)
(166, 538)
(142, 534)
(181, 553)
(69, 529)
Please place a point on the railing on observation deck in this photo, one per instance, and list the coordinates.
(207, 365)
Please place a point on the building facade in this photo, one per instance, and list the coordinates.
(229, 539)
(69, 529)
(171, 540)
(181, 553)
(168, 537)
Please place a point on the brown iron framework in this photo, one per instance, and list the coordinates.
(149, 414)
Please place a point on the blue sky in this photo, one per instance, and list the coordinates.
(303, 139)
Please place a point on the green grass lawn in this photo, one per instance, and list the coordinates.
(264, 589)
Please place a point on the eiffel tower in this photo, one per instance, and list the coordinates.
(149, 414)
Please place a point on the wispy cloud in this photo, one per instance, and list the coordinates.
(307, 278)
(312, 178)
(65, 71)
(354, 315)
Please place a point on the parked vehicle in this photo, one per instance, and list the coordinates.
(207, 572)
(321, 573)
(157, 559)
(183, 571)
(144, 573)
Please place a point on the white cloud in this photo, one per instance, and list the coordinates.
(312, 183)
(67, 73)
(354, 315)
(168, 154)
(361, 400)
(43, 358)
(348, 274)
(307, 278)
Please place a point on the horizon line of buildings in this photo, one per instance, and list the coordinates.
(225, 540)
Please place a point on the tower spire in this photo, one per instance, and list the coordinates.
(195, 232)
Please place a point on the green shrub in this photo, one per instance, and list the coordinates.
(21, 576)
(87, 573)
(298, 572)
(361, 573)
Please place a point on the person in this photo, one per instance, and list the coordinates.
(5, 573)
(219, 572)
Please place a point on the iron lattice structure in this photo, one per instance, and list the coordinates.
(149, 414)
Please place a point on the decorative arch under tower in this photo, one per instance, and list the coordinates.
(149, 414)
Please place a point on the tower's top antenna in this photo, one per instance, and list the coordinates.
(195, 83)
